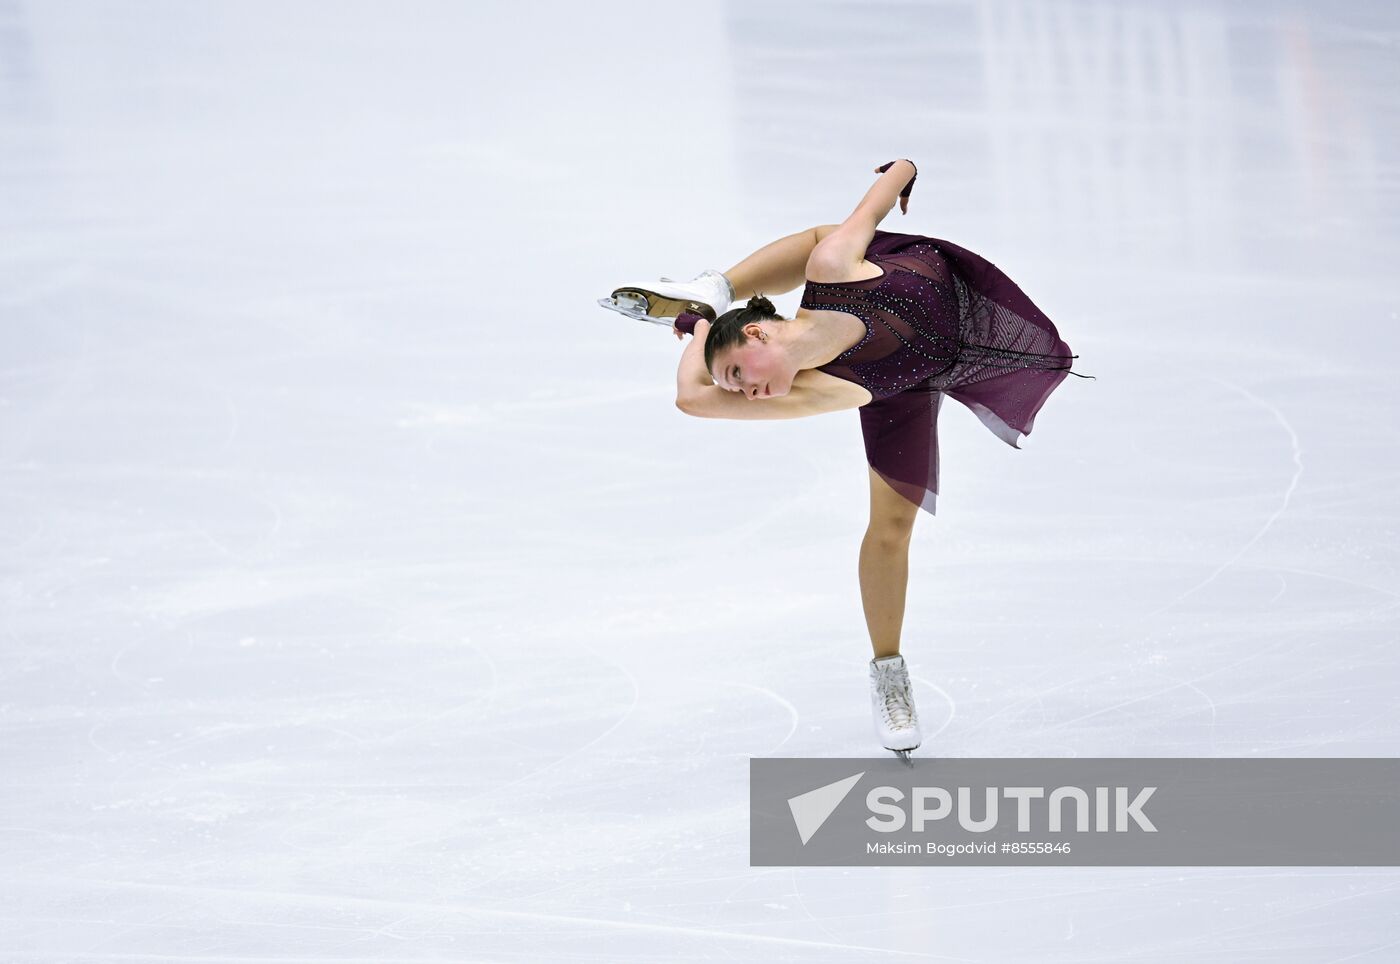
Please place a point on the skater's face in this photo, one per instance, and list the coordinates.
(759, 368)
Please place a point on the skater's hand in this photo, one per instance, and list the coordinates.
(681, 333)
(904, 194)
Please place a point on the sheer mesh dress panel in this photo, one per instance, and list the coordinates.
(940, 320)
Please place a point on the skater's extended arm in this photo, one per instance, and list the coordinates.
(812, 393)
(842, 249)
(808, 396)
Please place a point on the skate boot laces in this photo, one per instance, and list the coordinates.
(896, 700)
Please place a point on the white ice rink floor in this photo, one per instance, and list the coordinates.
(366, 598)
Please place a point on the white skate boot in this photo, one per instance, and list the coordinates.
(709, 294)
(892, 702)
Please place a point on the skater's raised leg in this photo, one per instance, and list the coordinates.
(777, 267)
(773, 269)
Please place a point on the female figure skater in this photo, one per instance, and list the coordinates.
(888, 324)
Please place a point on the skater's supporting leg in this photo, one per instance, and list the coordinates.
(884, 564)
(778, 267)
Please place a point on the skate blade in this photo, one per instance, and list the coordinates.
(904, 754)
(632, 309)
(656, 306)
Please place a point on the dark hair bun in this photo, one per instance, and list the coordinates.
(762, 307)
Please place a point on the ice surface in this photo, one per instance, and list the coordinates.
(366, 597)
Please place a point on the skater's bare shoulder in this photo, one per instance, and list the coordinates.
(835, 265)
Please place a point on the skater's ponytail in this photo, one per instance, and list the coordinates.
(728, 329)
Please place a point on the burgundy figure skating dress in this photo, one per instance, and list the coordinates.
(941, 320)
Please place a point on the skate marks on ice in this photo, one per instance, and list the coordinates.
(793, 715)
(424, 916)
(1292, 485)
